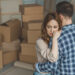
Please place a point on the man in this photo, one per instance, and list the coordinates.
(65, 64)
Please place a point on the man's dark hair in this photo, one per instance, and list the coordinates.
(65, 8)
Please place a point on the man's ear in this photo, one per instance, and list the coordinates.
(61, 16)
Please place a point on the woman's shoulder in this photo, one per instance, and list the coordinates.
(40, 40)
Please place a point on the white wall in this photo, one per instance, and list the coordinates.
(41, 2)
(28, 1)
(10, 9)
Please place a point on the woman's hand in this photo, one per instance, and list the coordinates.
(56, 34)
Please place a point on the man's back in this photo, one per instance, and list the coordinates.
(65, 65)
(66, 44)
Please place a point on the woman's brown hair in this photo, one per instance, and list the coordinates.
(49, 17)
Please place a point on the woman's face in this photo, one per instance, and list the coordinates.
(51, 27)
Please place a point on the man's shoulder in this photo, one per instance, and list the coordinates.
(66, 33)
(68, 29)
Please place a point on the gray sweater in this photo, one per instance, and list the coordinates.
(43, 52)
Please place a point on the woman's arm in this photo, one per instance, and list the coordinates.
(41, 48)
(52, 55)
(47, 53)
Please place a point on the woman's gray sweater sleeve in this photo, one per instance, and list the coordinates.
(42, 47)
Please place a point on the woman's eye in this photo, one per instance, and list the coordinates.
(55, 26)
(48, 26)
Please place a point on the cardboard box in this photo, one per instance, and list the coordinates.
(27, 18)
(32, 36)
(10, 30)
(15, 26)
(32, 25)
(11, 46)
(24, 34)
(1, 59)
(28, 49)
(29, 9)
(1, 39)
(9, 57)
(27, 59)
(6, 33)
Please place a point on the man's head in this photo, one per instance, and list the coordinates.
(64, 8)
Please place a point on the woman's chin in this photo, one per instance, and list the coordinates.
(50, 35)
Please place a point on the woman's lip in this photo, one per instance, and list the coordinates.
(51, 34)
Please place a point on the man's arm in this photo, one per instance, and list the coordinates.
(47, 66)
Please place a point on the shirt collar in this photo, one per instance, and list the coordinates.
(67, 26)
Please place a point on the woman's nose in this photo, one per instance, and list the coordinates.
(52, 30)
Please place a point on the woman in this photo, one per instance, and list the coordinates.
(50, 31)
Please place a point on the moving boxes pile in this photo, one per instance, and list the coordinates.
(10, 33)
(14, 37)
(32, 17)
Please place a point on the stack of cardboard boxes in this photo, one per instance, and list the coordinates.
(10, 31)
(31, 12)
(32, 17)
